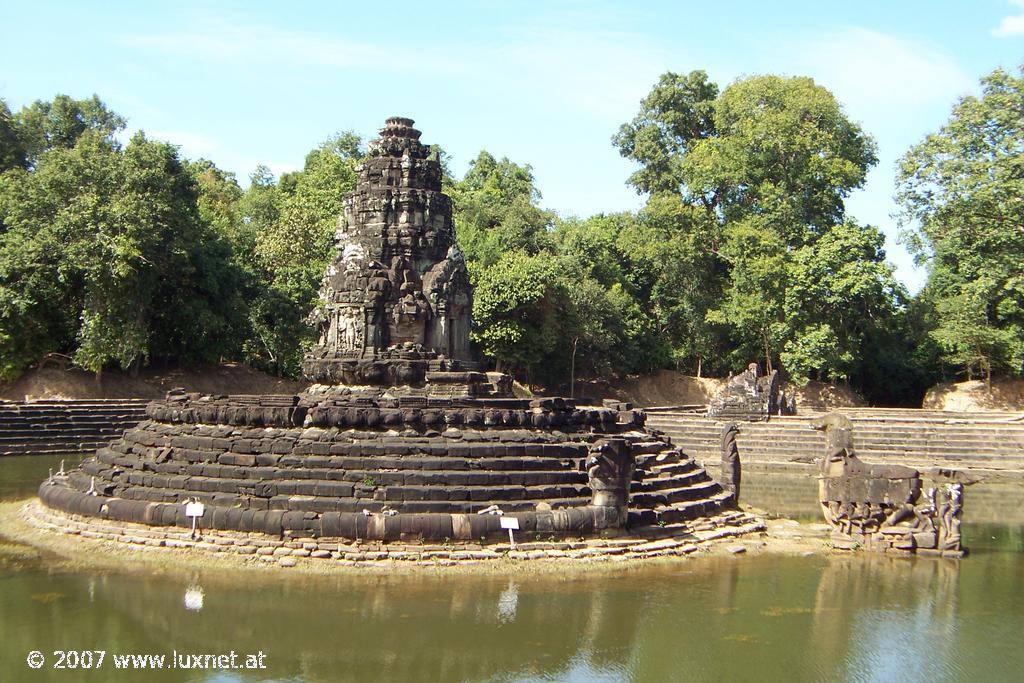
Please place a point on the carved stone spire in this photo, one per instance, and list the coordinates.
(396, 298)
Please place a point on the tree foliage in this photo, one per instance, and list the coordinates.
(962, 188)
(104, 255)
(126, 254)
(747, 189)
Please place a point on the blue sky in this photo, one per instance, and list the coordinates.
(544, 83)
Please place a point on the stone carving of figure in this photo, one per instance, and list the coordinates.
(446, 286)
(950, 507)
(350, 329)
(730, 472)
(610, 467)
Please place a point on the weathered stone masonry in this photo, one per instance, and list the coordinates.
(401, 437)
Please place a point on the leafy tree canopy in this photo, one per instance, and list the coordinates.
(961, 192)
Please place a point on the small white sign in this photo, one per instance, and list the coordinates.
(194, 509)
(509, 523)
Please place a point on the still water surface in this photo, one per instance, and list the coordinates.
(851, 618)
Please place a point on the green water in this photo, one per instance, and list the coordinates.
(855, 618)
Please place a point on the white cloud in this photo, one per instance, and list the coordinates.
(223, 41)
(1012, 25)
(871, 71)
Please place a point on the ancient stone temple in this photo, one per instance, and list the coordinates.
(396, 297)
(401, 437)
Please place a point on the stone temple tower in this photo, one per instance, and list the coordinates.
(396, 299)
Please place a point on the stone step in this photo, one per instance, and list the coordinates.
(802, 422)
(43, 435)
(671, 469)
(669, 482)
(314, 504)
(51, 447)
(704, 431)
(810, 436)
(691, 509)
(410, 477)
(674, 495)
(322, 465)
(753, 446)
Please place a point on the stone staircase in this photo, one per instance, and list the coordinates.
(72, 426)
(989, 443)
(320, 471)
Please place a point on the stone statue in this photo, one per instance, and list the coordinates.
(610, 467)
(881, 507)
(730, 470)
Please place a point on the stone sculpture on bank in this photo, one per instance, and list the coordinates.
(881, 507)
(730, 473)
(751, 397)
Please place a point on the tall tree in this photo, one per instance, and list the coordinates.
(496, 211)
(768, 163)
(960, 190)
(12, 151)
(105, 256)
(292, 224)
(61, 121)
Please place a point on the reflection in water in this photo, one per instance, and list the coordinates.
(194, 598)
(508, 601)
(858, 617)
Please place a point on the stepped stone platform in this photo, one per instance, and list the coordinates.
(990, 445)
(401, 438)
(382, 469)
(65, 426)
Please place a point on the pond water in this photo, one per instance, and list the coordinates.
(767, 618)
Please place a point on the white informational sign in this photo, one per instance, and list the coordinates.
(509, 523)
(194, 509)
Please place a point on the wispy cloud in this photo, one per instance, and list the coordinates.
(223, 41)
(875, 72)
(193, 145)
(599, 72)
(1012, 25)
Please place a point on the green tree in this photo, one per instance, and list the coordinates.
(45, 125)
(12, 152)
(744, 183)
(292, 226)
(960, 190)
(855, 296)
(105, 256)
(495, 211)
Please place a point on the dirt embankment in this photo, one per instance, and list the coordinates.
(227, 378)
(1004, 395)
(822, 396)
(661, 388)
(669, 388)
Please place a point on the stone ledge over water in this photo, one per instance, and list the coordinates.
(674, 540)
